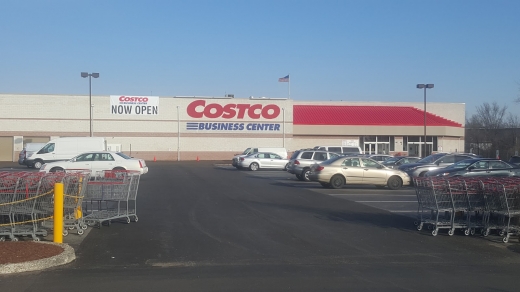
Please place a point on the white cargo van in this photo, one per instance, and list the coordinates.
(28, 150)
(341, 149)
(64, 149)
(276, 150)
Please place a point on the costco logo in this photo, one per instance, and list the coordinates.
(199, 109)
(123, 98)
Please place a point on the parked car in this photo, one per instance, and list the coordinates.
(302, 160)
(396, 161)
(336, 172)
(29, 149)
(282, 152)
(96, 162)
(514, 160)
(262, 160)
(434, 161)
(477, 167)
(378, 157)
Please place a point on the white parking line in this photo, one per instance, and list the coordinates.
(399, 211)
(372, 195)
(385, 201)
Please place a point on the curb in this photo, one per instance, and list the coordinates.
(65, 257)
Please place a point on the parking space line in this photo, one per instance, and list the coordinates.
(385, 201)
(401, 211)
(372, 195)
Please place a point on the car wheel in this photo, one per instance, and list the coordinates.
(118, 169)
(37, 164)
(337, 181)
(305, 174)
(56, 169)
(394, 183)
(253, 166)
(422, 173)
(285, 167)
(325, 185)
(298, 176)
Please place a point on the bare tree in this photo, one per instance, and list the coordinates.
(485, 130)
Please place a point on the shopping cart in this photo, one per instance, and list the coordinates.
(27, 202)
(434, 204)
(111, 196)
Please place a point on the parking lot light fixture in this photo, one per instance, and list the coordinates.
(90, 75)
(425, 86)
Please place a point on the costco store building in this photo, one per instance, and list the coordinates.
(216, 128)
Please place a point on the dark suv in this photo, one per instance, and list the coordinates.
(302, 160)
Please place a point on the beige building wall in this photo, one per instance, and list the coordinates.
(165, 136)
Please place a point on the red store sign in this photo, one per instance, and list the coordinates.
(199, 109)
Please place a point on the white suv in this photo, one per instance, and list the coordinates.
(302, 160)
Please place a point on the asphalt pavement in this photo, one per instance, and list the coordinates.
(205, 226)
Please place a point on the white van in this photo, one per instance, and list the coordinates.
(64, 149)
(341, 149)
(276, 150)
(29, 149)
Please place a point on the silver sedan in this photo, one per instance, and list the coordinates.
(336, 172)
(262, 160)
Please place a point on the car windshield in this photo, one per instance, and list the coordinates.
(431, 158)
(246, 151)
(123, 155)
(332, 159)
(462, 164)
(391, 160)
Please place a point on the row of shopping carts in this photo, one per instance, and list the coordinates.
(488, 204)
(27, 201)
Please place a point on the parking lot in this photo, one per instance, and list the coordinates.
(206, 226)
(403, 201)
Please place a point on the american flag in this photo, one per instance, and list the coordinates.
(284, 79)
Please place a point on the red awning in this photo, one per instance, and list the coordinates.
(366, 116)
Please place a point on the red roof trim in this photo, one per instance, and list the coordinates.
(366, 116)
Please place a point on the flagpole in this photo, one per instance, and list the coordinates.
(289, 84)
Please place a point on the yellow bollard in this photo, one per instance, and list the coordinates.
(58, 212)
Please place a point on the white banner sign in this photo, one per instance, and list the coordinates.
(134, 105)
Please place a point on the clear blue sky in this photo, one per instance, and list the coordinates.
(333, 50)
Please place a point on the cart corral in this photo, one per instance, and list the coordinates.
(485, 204)
(27, 201)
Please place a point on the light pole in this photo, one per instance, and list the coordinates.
(90, 75)
(178, 135)
(425, 86)
(283, 141)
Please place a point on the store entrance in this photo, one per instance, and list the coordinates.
(417, 149)
(413, 149)
(370, 148)
(377, 148)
